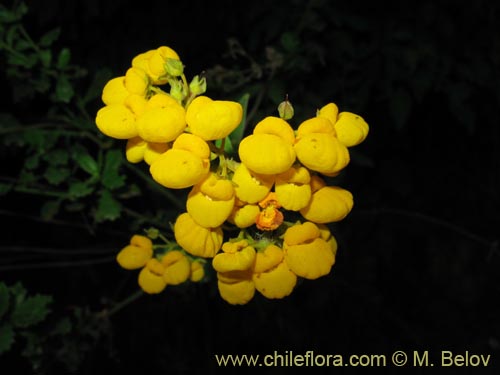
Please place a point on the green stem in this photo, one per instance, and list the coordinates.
(127, 301)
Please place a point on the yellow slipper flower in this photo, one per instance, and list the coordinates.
(161, 124)
(230, 260)
(251, 187)
(276, 282)
(114, 91)
(237, 293)
(195, 239)
(293, 189)
(116, 121)
(151, 277)
(330, 112)
(137, 254)
(306, 253)
(136, 81)
(351, 129)
(276, 126)
(197, 271)
(134, 150)
(177, 267)
(213, 119)
(328, 204)
(244, 216)
(316, 125)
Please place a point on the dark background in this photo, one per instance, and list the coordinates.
(418, 260)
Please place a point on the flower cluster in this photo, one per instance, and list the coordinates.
(261, 216)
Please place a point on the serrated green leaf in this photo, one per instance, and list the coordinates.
(6, 337)
(31, 311)
(108, 208)
(111, 178)
(86, 162)
(50, 37)
(80, 189)
(57, 157)
(49, 209)
(64, 89)
(56, 175)
(45, 57)
(32, 161)
(63, 58)
(4, 299)
(18, 291)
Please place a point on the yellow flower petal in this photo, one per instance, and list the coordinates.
(161, 100)
(154, 150)
(310, 260)
(328, 204)
(195, 239)
(330, 112)
(276, 283)
(179, 169)
(244, 217)
(266, 154)
(213, 119)
(116, 121)
(293, 189)
(268, 259)
(136, 103)
(177, 267)
(150, 281)
(197, 271)
(238, 261)
(114, 92)
(193, 144)
(134, 150)
(238, 293)
(133, 257)
(136, 81)
(322, 153)
(276, 126)
(161, 124)
(351, 129)
(316, 125)
(251, 187)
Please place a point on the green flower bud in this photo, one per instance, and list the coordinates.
(177, 90)
(198, 85)
(285, 109)
(174, 67)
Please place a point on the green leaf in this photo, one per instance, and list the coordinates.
(50, 37)
(56, 175)
(6, 337)
(111, 179)
(64, 89)
(32, 161)
(31, 311)
(4, 299)
(63, 58)
(18, 292)
(4, 188)
(45, 57)
(57, 157)
(80, 189)
(49, 209)
(108, 208)
(86, 162)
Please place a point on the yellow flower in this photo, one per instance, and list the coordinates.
(141, 61)
(197, 271)
(161, 100)
(270, 218)
(269, 150)
(306, 253)
(316, 125)
(136, 254)
(351, 129)
(138, 150)
(195, 239)
(266, 154)
(293, 189)
(213, 119)
(114, 92)
(184, 165)
(136, 103)
(177, 267)
(272, 276)
(322, 152)
(276, 126)
(116, 121)
(156, 63)
(162, 124)
(330, 112)
(151, 277)
(327, 236)
(328, 204)
(236, 256)
(244, 215)
(251, 187)
(136, 81)
(154, 150)
(234, 272)
(211, 201)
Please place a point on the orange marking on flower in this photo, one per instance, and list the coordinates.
(270, 217)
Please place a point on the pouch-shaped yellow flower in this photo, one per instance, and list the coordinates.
(195, 239)
(156, 64)
(161, 124)
(213, 119)
(277, 126)
(197, 271)
(251, 187)
(330, 111)
(177, 267)
(230, 260)
(306, 253)
(137, 254)
(293, 189)
(316, 125)
(114, 91)
(134, 150)
(328, 204)
(136, 81)
(277, 282)
(154, 150)
(322, 152)
(142, 60)
(244, 216)
(136, 103)
(237, 293)
(151, 277)
(161, 100)
(211, 201)
(116, 121)
(351, 129)
(266, 154)
(328, 237)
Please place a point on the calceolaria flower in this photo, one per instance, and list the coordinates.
(257, 201)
